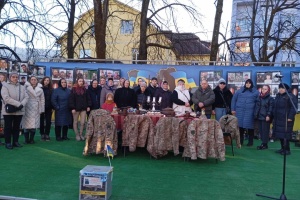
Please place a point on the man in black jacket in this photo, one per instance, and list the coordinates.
(152, 87)
(163, 97)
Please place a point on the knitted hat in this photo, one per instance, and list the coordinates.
(222, 80)
(285, 85)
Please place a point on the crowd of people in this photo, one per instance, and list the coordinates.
(21, 104)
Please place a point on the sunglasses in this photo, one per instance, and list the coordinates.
(14, 76)
(223, 83)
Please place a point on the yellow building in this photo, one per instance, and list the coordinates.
(122, 39)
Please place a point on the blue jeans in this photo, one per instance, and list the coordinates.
(220, 112)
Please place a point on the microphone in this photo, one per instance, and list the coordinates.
(278, 76)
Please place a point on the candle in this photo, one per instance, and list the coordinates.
(148, 99)
(153, 99)
(159, 100)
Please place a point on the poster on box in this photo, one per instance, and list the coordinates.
(92, 181)
(236, 80)
(23, 78)
(14, 67)
(295, 76)
(212, 77)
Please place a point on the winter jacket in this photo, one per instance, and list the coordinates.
(207, 97)
(60, 102)
(136, 129)
(243, 103)
(34, 107)
(229, 124)
(219, 96)
(125, 97)
(263, 107)
(95, 94)
(13, 94)
(166, 101)
(168, 135)
(101, 130)
(204, 140)
(152, 90)
(142, 98)
(105, 90)
(283, 110)
(79, 102)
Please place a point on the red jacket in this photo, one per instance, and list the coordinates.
(108, 107)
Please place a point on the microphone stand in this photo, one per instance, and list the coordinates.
(282, 196)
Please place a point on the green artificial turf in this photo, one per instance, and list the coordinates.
(50, 170)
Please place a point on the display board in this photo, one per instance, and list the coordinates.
(295, 77)
(212, 77)
(268, 78)
(57, 73)
(236, 80)
(110, 73)
(87, 74)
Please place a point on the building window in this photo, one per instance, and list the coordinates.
(242, 47)
(243, 25)
(83, 53)
(126, 27)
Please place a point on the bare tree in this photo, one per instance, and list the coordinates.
(100, 21)
(270, 27)
(24, 23)
(155, 19)
(215, 37)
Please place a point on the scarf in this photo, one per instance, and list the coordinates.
(109, 101)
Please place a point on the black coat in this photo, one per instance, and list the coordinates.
(142, 98)
(152, 90)
(219, 102)
(79, 102)
(47, 95)
(283, 109)
(166, 101)
(94, 94)
(125, 97)
(263, 107)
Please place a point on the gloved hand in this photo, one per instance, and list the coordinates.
(20, 107)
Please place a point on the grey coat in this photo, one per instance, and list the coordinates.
(15, 95)
(34, 107)
(105, 90)
(207, 97)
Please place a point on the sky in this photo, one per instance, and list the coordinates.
(207, 9)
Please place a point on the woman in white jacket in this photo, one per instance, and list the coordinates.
(34, 107)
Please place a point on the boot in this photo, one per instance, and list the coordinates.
(241, 136)
(250, 141)
(43, 137)
(262, 147)
(65, 134)
(26, 136)
(57, 133)
(31, 137)
(250, 138)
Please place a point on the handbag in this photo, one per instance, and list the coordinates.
(10, 108)
(228, 109)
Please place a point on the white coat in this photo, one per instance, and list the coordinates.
(34, 107)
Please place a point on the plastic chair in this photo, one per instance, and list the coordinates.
(225, 134)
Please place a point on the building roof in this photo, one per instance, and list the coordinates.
(188, 44)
